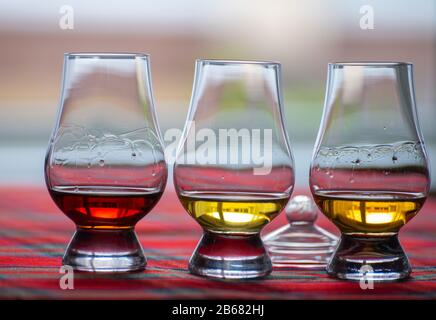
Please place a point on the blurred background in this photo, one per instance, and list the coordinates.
(303, 35)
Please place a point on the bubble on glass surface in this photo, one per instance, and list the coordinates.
(365, 155)
(356, 162)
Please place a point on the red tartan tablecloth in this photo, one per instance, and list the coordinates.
(34, 234)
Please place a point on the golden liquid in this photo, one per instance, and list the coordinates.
(360, 212)
(236, 214)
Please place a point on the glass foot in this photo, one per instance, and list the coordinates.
(96, 250)
(371, 258)
(230, 257)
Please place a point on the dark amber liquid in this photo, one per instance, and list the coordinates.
(105, 207)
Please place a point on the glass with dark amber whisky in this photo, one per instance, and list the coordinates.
(97, 207)
(369, 172)
(234, 169)
(105, 166)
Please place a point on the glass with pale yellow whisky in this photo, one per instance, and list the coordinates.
(369, 173)
(234, 169)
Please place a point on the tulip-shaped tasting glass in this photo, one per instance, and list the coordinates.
(234, 169)
(105, 166)
(369, 173)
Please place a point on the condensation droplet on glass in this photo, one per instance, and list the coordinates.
(351, 180)
(394, 159)
(357, 161)
(101, 162)
(387, 173)
(133, 154)
(153, 173)
(222, 177)
(384, 128)
(89, 165)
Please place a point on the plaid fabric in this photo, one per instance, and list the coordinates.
(34, 234)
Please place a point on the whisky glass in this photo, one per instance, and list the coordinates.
(105, 166)
(234, 170)
(369, 173)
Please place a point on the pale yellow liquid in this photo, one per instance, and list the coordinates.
(355, 212)
(233, 214)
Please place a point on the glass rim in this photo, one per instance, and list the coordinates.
(236, 61)
(375, 64)
(105, 55)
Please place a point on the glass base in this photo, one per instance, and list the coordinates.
(230, 257)
(95, 250)
(371, 258)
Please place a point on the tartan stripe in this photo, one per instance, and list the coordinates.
(34, 235)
